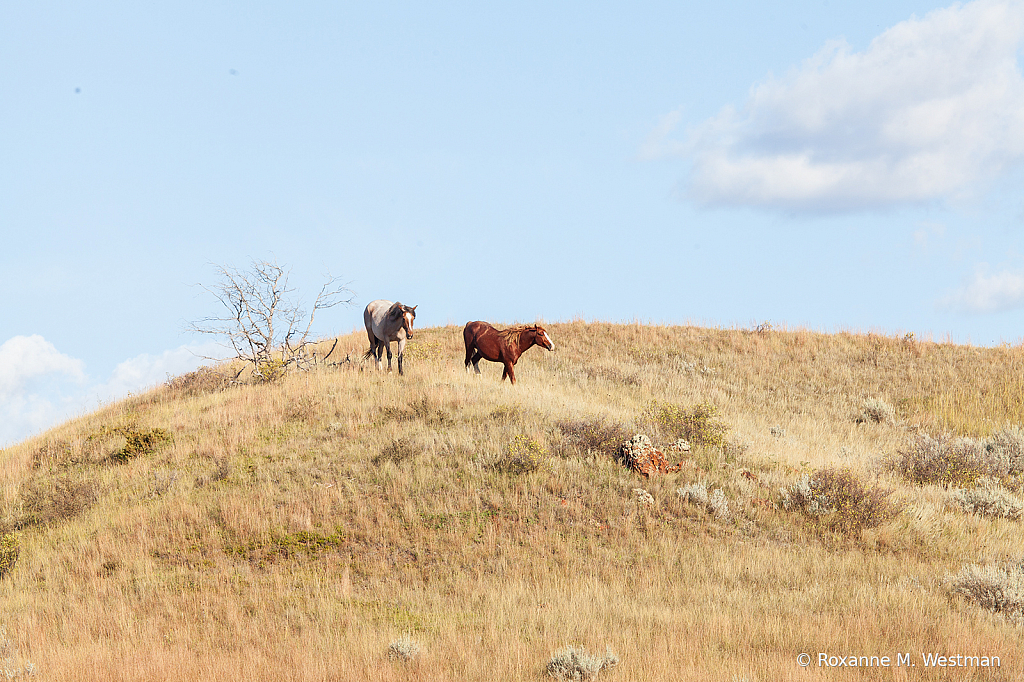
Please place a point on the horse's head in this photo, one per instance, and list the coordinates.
(405, 314)
(408, 317)
(542, 337)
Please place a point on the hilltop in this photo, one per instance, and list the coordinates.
(294, 530)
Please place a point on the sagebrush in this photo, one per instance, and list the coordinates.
(576, 664)
(836, 499)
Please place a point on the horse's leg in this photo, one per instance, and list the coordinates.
(401, 353)
(373, 341)
(476, 361)
(469, 355)
(378, 354)
(511, 373)
(387, 346)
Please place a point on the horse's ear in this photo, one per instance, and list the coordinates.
(414, 308)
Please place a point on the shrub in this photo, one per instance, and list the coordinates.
(200, 382)
(396, 451)
(44, 502)
(714, 503)
(507, 414)
(424, 350)
(10, 666)
(522, 456)
(947, 461)
(698, 424)
(989, 500)
(12, 671)
(305, 409)
(838, 501)
(10, 550)
(594, 435)
(269, 370)
(998, 589)
(575, 664)
(878, 411)
(404, 649)
(1005, 451)
(136, 441)
(422, 409)
(961, 462)
(55, 453)
(162, 482)
(142, 442)
(222, 471)
(279, 545)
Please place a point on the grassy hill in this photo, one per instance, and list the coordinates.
(294, 530)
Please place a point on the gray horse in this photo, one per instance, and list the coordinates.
(386, 322)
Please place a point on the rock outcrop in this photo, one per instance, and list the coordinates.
(638, 454)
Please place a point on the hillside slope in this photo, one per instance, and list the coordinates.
(293, 530)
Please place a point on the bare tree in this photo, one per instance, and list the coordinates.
(267, 328)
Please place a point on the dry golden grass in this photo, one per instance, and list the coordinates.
(293, 530)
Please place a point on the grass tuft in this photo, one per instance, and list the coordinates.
(576, 664)
(593, 436)
(998, 589)
(877, 411)
(990, 500)
(404, 649)
(714, 503)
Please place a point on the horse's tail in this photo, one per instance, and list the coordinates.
(368, 354)
(469, 337)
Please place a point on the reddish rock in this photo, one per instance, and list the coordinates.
(638, 454)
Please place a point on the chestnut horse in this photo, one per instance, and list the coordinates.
(505, 346)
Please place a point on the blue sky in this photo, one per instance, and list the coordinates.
(817, 165)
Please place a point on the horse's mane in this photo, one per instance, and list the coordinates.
(398, 309)
(512, 335)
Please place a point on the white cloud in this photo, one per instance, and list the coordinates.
(24, 358)
(30, 369)
(40, 386)
(146, 371)
(659, 143)
(989, 293)
(931, 109)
